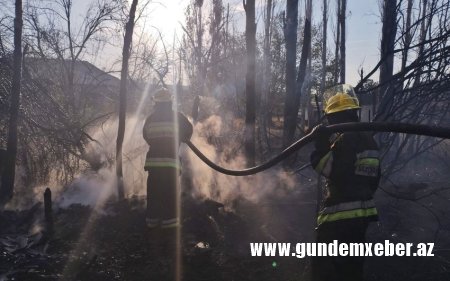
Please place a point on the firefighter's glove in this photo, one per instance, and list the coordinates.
(321, 137)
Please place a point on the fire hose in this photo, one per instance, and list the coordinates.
(423, 130)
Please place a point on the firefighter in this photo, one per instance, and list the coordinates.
(350, 163)
(163, 130)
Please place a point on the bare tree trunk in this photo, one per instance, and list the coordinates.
(432, 10)
(301, 91)
(389, 30)
(309, 9)
(250, 40)
(422, 36)
(343, 10)
(408, 34)
(338, 39)
(290, 106)
(227, 21)
(128, 38)
(71, 69)
(201, 73)
(322, 89)
(264, 114)
(7, 186)
(324, 45)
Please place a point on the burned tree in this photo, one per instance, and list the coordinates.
(250, 115)
(203, 46)
(291, 100)
(324, 45)
(264, 115)
(408, 34)
(59, 92)
(302, 89)
(128, 38)
(337, 42)
(194, 33)
(418, 93)
(387, 48)
(8, 175)
(292, 103)
(342, 19)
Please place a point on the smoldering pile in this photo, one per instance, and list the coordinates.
(112, 243)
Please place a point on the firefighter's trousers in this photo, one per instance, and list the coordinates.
(340, 268)
(163, 186)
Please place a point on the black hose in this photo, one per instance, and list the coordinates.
(423, 130)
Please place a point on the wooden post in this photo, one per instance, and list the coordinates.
(48, 214)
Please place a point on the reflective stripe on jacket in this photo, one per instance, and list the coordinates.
(367, 164)
(325, 163)
(162, 139)
(157, 130)
(170, 223)
(163, 130)
(153, 162)
(350, 162)
(347, 210)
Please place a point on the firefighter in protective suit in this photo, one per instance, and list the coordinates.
(350, 163)
(164, 130)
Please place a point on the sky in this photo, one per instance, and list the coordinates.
(363, 37)
(363, 27)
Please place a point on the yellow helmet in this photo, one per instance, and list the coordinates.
(163, 95)
(339, 98)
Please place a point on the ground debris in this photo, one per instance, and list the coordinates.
(113, 244)
(24, 256)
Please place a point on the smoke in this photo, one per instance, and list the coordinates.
(99, 183)
(222, 145)
(221, 141)
(96, 182)
(134, 151)
(91, 188)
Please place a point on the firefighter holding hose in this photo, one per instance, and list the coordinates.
(350, 163)
(164, 130)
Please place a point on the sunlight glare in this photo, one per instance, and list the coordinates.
(167, 17)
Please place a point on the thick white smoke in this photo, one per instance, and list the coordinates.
(220, 145)
(90, 188)
(220, 142)
(98, 183)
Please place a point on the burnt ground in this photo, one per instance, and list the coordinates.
(113, 243)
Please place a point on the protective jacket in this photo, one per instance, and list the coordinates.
(163, 134)
(350, 162)
(163, 131)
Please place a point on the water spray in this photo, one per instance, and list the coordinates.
(423, 130)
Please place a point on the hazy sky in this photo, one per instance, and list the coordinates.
(363, 26)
